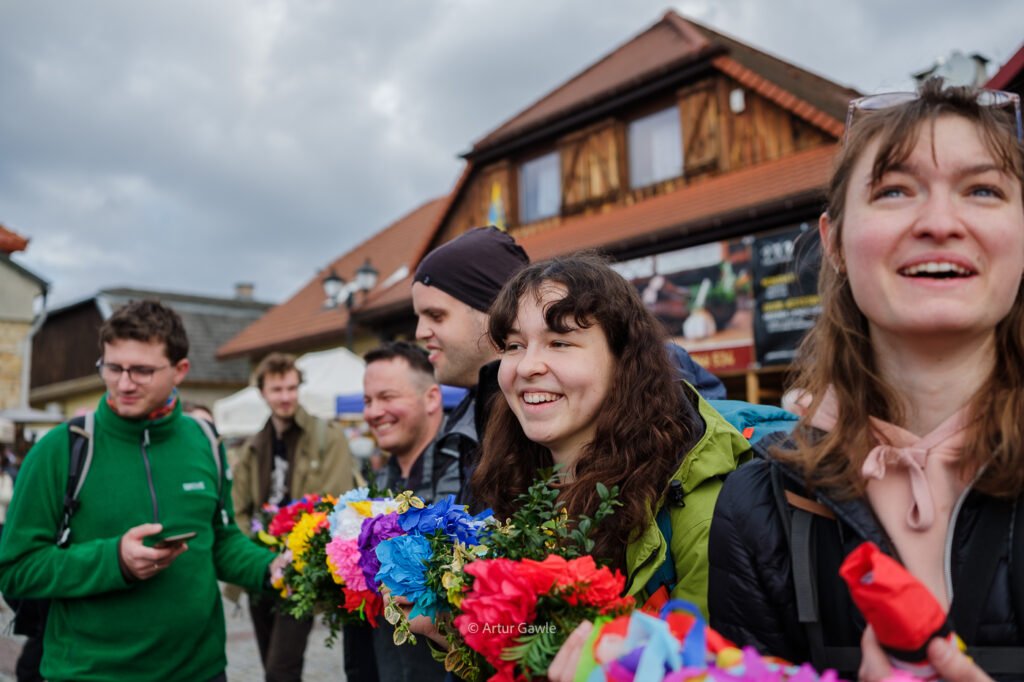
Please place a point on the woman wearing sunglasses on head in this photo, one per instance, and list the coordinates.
(912, 385)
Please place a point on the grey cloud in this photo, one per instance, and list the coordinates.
(186, 145)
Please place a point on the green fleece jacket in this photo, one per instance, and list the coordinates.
(102, 627)
(719, 451)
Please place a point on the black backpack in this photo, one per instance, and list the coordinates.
(799, 514)
(30, 614)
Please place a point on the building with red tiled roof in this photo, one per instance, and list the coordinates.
(304, 322)
(674, 155)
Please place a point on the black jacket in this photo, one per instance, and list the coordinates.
(751, 589)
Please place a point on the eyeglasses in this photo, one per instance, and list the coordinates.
(137, 374)
(885, 100)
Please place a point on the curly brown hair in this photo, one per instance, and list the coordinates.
(645, 424)
(837, 352)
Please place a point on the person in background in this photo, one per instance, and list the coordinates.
(294, 454)
(453, 288)
(588, 388)
(198, 410)
(911, 393)
(124, 604)
(402, 406)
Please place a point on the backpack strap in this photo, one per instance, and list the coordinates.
(798, 514)
(218, 461)
(80, 446)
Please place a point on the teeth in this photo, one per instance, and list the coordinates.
(936, 268)
(537, 398)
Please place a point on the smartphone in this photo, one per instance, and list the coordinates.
(163, 541)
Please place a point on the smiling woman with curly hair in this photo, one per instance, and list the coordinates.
(589, 388)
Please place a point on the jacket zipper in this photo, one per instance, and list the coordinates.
(947, 559)
(149, 475)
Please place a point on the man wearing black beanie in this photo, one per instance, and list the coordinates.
(454, 286)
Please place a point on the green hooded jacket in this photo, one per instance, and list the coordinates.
(719, 451)
(102, 627)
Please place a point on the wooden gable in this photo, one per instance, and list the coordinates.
(594, 160)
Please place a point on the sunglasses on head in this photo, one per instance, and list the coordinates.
(886, 100)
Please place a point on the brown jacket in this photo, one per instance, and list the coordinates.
(321, 463)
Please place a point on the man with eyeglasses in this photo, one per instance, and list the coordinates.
(134, 594)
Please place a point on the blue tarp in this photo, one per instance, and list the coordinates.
(353, 402)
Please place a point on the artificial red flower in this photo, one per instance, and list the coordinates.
(578, 581)
(284, 520)
(370, 602)
(495, 609)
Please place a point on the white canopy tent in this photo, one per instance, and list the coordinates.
(326, 374)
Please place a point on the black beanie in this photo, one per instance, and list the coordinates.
(474, 266)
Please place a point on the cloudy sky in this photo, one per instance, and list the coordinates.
(188, 145)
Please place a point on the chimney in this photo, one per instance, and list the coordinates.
(244, 291)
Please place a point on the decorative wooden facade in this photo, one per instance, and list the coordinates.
(747, 141)
(595, 166)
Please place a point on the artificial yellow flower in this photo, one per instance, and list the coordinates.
(302, 533)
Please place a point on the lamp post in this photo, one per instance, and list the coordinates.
(340, 292)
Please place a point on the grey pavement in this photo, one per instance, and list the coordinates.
(322, 664)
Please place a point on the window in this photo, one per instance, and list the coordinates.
(540, 188)
(655, 148)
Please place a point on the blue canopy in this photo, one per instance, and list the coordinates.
(352, 403)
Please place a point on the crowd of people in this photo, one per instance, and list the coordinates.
(908, 396)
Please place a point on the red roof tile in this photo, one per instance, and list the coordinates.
(303, 319)
(11, 241)
(690, 210)
(664, 45)
(669, 44)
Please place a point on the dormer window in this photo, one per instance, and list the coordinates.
(540, 188)
(655, 148)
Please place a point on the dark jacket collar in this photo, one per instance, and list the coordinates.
(855, 513)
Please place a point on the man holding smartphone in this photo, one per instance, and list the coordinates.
(134, 594)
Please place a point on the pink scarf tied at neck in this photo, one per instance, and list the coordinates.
(900, 448)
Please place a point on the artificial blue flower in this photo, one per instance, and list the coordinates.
(403, 570)
(354, 495)
(446, 516)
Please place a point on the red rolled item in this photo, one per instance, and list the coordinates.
(903, 612)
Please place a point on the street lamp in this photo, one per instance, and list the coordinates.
(340, 292)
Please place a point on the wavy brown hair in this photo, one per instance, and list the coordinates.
(837, 353)
(642, 429)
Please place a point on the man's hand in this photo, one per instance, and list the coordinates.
(949, 662)
(141, 562)
(277, 566)
(420, 625)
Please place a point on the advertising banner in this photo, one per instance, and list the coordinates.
(704, 297)
(785, 266)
